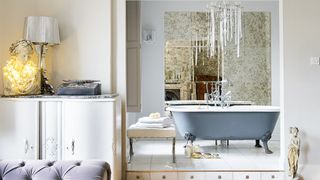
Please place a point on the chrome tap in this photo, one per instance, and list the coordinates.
(223, 96)
(225, 99)
(219, 93)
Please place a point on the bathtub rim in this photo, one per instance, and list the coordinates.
(218, 109)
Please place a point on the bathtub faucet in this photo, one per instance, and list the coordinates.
(219, 95)
(225, 99)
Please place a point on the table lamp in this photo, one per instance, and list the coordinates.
(42, 31)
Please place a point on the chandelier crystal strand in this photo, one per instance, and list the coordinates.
(208, 34)
(196, 58)
(225, 26)
(239, 32)
(228, 25)
(213, 37)
(218, 51)
(231, 24)
(221, 37)
(236, 26)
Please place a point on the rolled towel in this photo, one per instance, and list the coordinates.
(154, 115)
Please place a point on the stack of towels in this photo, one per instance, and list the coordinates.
(154, 120)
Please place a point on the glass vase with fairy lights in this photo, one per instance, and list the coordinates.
(21, 74)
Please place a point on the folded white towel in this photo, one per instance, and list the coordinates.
(160, 120)
(152, 125)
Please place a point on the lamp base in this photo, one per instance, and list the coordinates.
(46, 87)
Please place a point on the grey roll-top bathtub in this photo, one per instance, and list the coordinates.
(227, 123)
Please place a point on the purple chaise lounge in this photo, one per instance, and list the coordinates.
(54, 170)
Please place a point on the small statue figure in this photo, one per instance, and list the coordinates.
(294, 152)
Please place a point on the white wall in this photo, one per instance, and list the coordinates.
(301, 80)
(11, 25)
(152, 55)
(85, 30)
(2, 12)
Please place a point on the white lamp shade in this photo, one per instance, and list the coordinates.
(41, 29)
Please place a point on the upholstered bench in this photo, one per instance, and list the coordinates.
(54, 170)
(135, 132)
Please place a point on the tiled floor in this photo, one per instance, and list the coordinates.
(240, 155)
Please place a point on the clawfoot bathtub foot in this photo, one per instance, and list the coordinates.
(265, 140)
(189, 137)
(258, 144)
(266, 148)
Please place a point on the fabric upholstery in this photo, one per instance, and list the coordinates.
(54, 170)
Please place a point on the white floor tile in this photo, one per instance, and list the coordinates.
(239, 155)
(166, 166)
(189, 165)
(138, 166)
(141, 158)
(215, 164)
(161, 158)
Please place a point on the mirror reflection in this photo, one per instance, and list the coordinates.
(191, 72)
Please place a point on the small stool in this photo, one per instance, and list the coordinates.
(135, 132)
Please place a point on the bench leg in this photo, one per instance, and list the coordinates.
(131, 149)
(174, 150)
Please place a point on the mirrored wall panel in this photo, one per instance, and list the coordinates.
(188, 65)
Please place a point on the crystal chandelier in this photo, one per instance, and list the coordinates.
(224, 27)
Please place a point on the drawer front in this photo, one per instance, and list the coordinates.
(246, 175)
(163, 176)
(272, 176)
(218, 175)
(137, 176)
(191, 176)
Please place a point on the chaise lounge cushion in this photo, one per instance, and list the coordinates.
(54, 170)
